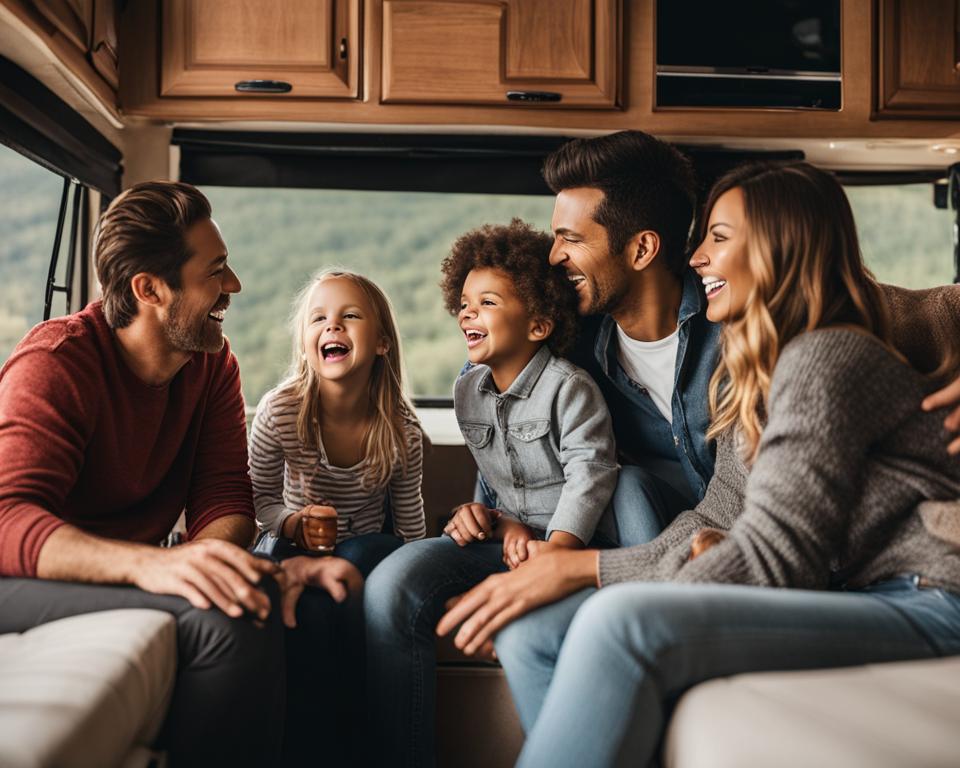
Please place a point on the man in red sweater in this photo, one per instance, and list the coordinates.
(113, 421)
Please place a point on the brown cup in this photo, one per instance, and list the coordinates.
(320, 521)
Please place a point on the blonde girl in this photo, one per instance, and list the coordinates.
(337, 437)
(339, 431)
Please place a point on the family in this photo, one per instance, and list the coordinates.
(699, 454)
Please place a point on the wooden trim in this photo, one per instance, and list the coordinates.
(70, 59)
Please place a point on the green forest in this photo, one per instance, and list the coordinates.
(278, 237)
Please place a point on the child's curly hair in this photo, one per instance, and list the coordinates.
(522, 253)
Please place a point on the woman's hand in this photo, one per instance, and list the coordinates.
(472, 522)
(338, 576)
(516, 537)
(945, 398)
(504, 597)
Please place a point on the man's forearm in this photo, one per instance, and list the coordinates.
(69, 554)
(237, 529)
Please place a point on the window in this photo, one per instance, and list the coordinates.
(30, 196)
(277, 238)
(905, 240)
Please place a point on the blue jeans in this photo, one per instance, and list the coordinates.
(403, 601)
(642, 506)
(632, 649)
(325, 663)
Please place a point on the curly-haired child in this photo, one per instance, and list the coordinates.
(541, 435)
(536, 425)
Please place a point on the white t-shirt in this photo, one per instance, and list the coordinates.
(652, 365)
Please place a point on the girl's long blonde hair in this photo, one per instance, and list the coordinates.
(385, 443)
(804, 257)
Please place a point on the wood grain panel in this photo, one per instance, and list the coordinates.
(280, 34)
(210, 45)
(917, 70)
(474, 51)
(418, 38)
(549, 40)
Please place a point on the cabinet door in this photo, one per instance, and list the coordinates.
(70, 17)
(919, 58)
(476, 51)
(209, 46)
(103, 45)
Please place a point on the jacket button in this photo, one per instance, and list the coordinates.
(676, 441)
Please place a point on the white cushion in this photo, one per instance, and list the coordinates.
(880, 715)
(85, 690)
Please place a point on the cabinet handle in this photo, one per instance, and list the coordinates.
(343, 49)
(538, 96)
(263, 86)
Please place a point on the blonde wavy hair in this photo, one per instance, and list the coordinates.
(385, 443)
(803, 254)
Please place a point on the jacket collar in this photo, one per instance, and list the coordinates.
(524, 383)
(692, 301)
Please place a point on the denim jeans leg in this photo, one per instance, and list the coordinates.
(633, 648)
(642, 506)
(403, 601)
(528, 649)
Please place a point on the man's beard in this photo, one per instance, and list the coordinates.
(188, 334)
(605, 298)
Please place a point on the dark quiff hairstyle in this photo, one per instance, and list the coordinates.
(646, 183)
(523, 254)
(144, 230)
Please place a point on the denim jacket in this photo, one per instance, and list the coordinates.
(678, 451)
(544, 447)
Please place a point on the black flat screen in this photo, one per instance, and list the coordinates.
(750, 35)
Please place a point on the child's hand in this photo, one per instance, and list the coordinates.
(516, 539)
(317, 528)
(338, 576)
(558, 540)
(472, 522)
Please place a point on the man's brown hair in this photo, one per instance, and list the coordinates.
(144, 230)
(646, 184)
(523, 254)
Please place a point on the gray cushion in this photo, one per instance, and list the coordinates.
(87, 690)
(879, 715)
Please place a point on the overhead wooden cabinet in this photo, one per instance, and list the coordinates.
(919, 58)
(537, 52)
(305, 48)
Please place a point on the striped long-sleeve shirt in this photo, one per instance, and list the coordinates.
(287, 476)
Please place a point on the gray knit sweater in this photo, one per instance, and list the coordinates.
(845, 460)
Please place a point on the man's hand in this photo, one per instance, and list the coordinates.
(516, 538)
(207, 572)
(504, 597)
(945, 398)
(472, 522)
(338, 576)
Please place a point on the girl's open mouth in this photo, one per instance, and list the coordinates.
(334, 351)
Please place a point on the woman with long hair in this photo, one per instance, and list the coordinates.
(827, 482)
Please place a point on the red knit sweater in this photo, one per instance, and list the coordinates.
(84, 441)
